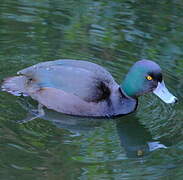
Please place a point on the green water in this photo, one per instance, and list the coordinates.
(113, 34)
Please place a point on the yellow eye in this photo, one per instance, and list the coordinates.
(149, 78)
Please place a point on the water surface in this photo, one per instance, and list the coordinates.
(113, 34)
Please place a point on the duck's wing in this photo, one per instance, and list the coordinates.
(83, 79)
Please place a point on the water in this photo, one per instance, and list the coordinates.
(113, 34)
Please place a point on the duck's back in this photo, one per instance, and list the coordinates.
(84, 79)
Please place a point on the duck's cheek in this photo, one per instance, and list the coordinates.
(154, 85)
(150, 86)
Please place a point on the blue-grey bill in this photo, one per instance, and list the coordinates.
(162, 92)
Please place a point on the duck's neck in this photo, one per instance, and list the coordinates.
(127, 90)
(128, 86)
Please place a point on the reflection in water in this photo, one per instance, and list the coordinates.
(134, 137)
(72, 123)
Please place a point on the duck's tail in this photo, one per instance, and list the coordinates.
(15, 85)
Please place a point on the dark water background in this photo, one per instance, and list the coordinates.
(113, 34)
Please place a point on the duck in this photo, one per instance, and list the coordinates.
(83, 88)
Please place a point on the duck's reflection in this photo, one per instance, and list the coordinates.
(72, 123)
(134, 137)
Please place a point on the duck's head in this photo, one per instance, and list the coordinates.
(145, 76)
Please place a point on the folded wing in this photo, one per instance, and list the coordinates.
(84, 79)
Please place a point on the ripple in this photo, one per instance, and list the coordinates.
(111, 33)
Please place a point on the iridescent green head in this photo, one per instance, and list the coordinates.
(146, 76)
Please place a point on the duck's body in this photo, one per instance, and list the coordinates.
(73, 87)
(86, 89)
